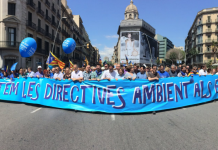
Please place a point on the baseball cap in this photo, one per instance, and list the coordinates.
(3, 69)
(39, 67)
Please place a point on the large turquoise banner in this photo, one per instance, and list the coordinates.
(121, 96)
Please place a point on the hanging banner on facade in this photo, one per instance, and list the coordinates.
(122, 96)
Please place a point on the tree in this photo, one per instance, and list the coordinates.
(214, 49)
(209, 64)
(175, 54)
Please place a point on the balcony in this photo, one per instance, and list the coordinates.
(47, 18)
(210, 40)
(48, 35)
(40, 12)
(47, 3)
(208, 51)
(31, 4)
(53, 9)
(208, 30)
(9, 44)
(209, 21)
(199, 41)
(40, 30)
(31, 25)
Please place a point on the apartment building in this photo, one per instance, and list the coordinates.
(202, 33)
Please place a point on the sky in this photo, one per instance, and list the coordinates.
(170, 18)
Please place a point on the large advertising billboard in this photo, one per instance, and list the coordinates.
(130, 47)
(138, 48)
(148, 49)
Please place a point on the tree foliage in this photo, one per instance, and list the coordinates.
(175, 54)
(193, 52)
(158, 61)
(209, 64)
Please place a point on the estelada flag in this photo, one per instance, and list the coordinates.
(53, 60)
(71, 64)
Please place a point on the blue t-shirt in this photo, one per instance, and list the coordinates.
(164, 74)
(51, 75)
(1, 75)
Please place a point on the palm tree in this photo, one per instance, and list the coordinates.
(214, 49)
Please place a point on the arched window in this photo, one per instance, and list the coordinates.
(130, 15)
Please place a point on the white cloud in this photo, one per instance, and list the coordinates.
(111, 36)
(107, 51)
(96, 45)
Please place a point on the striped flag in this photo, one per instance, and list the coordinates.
(53, 60)
(71, 64)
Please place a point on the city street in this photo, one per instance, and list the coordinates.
(29, 127)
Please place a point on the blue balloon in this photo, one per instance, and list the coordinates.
(69, 45)
(27, 47)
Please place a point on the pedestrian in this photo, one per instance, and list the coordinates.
(96, 75)
(21, 74)
(130, 73)
(39, 73)
(52, 73)
(120, 74)
(12, 75)
(106, 66)
(153, 74)
(76, 75)
(142, 73)
(58, 74)
(109, 74)
(87, 73)
(187, 71)
(209, 72)
(194, 72)
(182, 73)
(173, 72)
(5, 75)
(162, 73)
(179, 69)
(30, 72)
(213, 71)
(203, 70)
(2, 73)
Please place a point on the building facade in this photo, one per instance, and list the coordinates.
(131, 22)
(106, 58)
(40, 19)
(202, 33)
(164, 46)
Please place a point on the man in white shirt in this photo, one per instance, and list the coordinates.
(109, 74)
(77, 75)
(30, 72)
(58, 74)
(203, 70)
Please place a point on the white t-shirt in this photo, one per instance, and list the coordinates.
(77, 74)
(108, 74)
(59, 75)
(202, 72)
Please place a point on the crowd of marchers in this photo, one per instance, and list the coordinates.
(109, 72)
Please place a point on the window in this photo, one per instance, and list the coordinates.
(46, 12)
(39, 5)
(39, 23)
(39, 43)
(11, 8)
(208, 56)
(52, 32)
(29, 35)
(130, 15)
(58, 2)
(209, 27)
(53, 19)
(208, 48)
(208, 36)
(208, 17)
(12, 36)
(46, 28)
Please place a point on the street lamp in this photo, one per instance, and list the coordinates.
(57, 32)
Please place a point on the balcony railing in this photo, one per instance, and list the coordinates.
(48, 18)
(47, 3)
(53, 9)
(9, 44)
(31, 4)
(40, 12)
(31, 24)
(40, 30)
(209, 21)
(208, 51)
(208, 30)
(47, 34)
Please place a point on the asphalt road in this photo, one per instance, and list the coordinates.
(28, 127)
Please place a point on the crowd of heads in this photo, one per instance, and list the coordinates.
(109, 71)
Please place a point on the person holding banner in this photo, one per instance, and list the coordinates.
(203, 70)
(142, 74)
(109, 74)
(87, 73)
(5, 75)
(96, 75)
(194, 72)
(173, 72)
(12, 75)
(67, 74)
(21, 74)
(130, 74)
(39, 73)
(58, 74)
(153, 75)
(2, 73)
(76, 75)
(162, 73)
(46, 73)
(30, 72)
(120, 74)
(182, 73)
(52, 73)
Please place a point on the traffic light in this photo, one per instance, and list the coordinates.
(87, 45)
